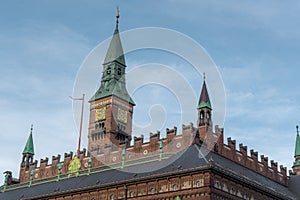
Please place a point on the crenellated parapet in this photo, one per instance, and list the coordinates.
(261, 166)
(158, 148)
(111, 154)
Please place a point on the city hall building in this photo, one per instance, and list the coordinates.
(194, 164)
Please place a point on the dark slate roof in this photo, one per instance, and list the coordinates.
(187, 160)
(204, 98)
(294, 185)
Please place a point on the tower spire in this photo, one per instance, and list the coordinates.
(29, 148)
(204, 100)
(115, 49)
(28, 151)
(296, 165)
(111, 106)
(113, 76)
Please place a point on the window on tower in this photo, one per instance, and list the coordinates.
(207, 115)
(108, 70)
(119, 71)
(201, 118)
(201, 115)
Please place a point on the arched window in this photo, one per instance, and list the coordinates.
(208, 115)
(201, 115)
(201, 118)
(225, 187)
(232, 190)
(119, 71)
(112, 197)
(108, 70)
(239, 194)
(152, 190)
(131, 194)
(217, 184)
(174, 187)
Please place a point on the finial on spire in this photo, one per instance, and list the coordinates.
(204, 76)
(31, 127)
(118, 15)
(297, 129)
(118, 12)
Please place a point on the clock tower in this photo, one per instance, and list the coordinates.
(111, 107)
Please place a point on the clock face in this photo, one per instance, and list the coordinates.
(122, 115)
(100, 113)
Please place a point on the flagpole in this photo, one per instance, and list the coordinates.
(81, 121)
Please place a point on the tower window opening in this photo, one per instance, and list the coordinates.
(207, 115)
(119, 71)
(201, 115)
(201, 118)
(108, 70)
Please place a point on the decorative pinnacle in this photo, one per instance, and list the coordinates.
(204, 76)
(118, 14)
(31, 127)
(297, 128)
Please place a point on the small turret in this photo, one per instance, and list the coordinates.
(296, 166)
(204, 113)
(28, 151)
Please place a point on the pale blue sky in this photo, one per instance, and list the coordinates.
(256, 46)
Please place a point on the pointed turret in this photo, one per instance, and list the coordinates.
(113, 76)
(204, 113)
(115, 49)
(28, 151)
(296, 166)
(204, 98)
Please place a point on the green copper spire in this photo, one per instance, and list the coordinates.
(204, 98)
(29, 149)
(115, 50)
(297, 147)
(113, 76)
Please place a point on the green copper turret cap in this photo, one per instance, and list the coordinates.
(204, 98)
(115, 50)
(29, 149)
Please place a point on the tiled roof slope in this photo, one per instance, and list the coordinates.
(187, 160)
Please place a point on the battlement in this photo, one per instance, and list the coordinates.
(252, 162)
(110, 154)
(172, 143)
